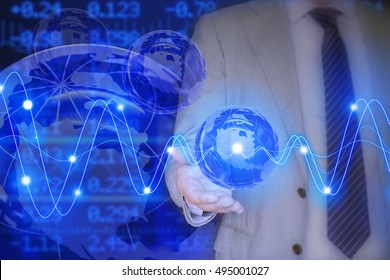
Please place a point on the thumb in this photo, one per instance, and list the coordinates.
(178, 155)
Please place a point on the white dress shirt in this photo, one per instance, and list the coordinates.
(307, 36)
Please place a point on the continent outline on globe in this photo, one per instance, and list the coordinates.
(222, 151)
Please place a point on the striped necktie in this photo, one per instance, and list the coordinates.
(348, 223)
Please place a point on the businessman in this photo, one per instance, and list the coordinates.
(301, 64)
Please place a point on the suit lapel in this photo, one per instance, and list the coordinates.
(268, 31)
(375, 34)
(375, 31)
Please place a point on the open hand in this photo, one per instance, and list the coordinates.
(199, 191)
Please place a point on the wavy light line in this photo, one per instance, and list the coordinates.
(179, 142)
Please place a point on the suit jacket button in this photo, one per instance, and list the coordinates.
(301, 192)
(297, 249)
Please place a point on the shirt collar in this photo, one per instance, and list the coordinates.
(296, 9)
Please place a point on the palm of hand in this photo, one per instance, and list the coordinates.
(199, 191)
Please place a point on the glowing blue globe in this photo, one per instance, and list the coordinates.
(163, 66)
(72, 86)
(69, 26)
(234, 146)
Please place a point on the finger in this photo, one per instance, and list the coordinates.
(199, 197)
(223, 205)
(236, 207)
(196, 193)
(178, 155)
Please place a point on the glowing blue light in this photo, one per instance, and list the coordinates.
(232, 129)
(27, 105)
(120, 107)
(26, 180)
(237, 148)
(327, 190)
(147, 190)
(238, 130)
(72, 159)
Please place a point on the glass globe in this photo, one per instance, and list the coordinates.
(234, 146)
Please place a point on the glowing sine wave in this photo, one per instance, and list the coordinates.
(26, 179)
(332, 187)
(129, 151)
(297, 142)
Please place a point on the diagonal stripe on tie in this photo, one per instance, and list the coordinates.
(348, 223)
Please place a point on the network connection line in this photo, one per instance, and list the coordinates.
(129, 153)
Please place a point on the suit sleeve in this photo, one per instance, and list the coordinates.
(211, 97)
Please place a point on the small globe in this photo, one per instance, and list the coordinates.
(69, 26)
(161, 67)
(234, 146)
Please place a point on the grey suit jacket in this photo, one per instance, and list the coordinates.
(250, 61)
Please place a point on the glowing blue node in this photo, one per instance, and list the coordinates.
(354, 107)
(163, 65)
(77, 192)
(147, 190)
(120, 107)
(1, 88)
(72, 159)
(170, 150)
(304, 150)
(237, 148)
(27, 105)
(26, 180)
(327, 190)
(220, 143)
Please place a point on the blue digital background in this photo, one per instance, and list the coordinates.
(146, 228)
(125, 20)
(155, 230)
